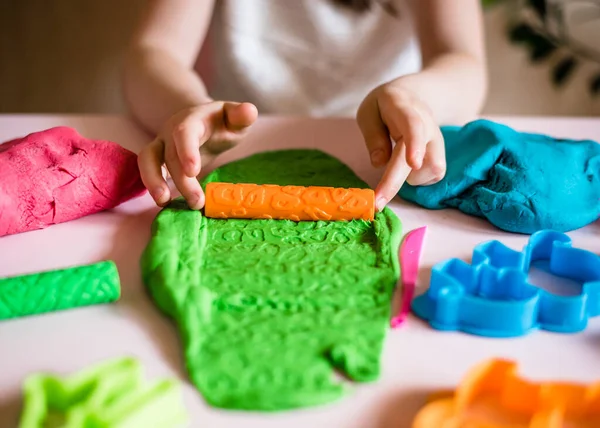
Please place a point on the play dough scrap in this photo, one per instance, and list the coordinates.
(520, 182)
(268, 310)
(59, 290)
(112, 394)
(494, 395)
(56, 175)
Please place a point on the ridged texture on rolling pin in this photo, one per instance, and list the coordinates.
(297, 203)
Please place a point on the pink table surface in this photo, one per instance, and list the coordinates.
(416, 359)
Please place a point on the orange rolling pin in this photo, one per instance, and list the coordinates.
(297, 203)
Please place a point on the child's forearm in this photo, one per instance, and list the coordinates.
(453, 85)
(157, 85)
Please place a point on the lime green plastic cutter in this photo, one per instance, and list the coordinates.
(112, 394)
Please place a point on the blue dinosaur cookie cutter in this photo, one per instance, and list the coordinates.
(492, 297)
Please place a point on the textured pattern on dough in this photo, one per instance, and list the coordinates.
(269, 309)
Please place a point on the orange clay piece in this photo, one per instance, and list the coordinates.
(492, 395)
(297, 203)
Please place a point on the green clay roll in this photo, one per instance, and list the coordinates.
(58, 290)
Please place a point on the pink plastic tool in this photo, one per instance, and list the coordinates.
(410, 257)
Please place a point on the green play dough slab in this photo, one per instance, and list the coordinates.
(269, 310)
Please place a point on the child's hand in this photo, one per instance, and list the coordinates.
(418, 157)
(187, 141)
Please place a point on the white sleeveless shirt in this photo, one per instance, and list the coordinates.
(307, 57)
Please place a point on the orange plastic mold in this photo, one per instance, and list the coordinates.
(297, 203)
(492, 395)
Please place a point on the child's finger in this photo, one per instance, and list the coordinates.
(189, 187)
(375, 134)
(187, 137)
(434, 164)
(150, 161)
(406, 122)
(236, 120)
(394, 176)
(238, 117)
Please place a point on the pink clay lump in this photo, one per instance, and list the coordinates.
(56, 175)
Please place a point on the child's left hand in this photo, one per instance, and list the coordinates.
(392, 112)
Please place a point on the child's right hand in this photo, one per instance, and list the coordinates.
(188, 140)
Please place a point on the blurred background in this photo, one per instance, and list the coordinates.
(64, 56)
